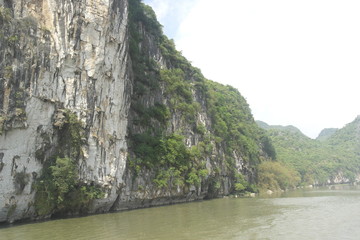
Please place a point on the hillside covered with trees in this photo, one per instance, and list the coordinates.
(334, 157)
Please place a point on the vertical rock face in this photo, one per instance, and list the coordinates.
(57, 55)
(99, 112)
(189, 138)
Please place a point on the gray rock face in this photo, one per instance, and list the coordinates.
(66, 55)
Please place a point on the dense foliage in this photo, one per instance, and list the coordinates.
(59, 190)
(233, 123)
(276, 176)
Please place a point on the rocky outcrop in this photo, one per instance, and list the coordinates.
(65, 55)
(326, 133)
(98, 107)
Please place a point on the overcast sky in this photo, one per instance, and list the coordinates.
(296, 62)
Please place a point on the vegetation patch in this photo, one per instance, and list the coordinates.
(58, 189)
(71, 136)
(275, 176)
(241, 186)
(233, 123)
(174, 163)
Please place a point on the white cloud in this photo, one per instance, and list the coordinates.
(296, 62)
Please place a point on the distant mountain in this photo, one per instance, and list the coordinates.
(333, 157)
(326, 133)
(348, 133)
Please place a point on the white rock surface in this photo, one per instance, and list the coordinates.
(85, 69)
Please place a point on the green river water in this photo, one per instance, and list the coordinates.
(303, 214)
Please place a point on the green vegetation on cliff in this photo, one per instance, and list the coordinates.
(59, 189)
(233, 123)
(181, 121)
(153, 147)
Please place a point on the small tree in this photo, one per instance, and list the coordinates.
(64, 177)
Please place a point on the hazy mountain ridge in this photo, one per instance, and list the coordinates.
(290, 128)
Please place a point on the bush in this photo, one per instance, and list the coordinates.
(243, 186)
(59, 190)
(63, 177)
(239, 187)
(274, 176)
(175, 163)
(160, 112)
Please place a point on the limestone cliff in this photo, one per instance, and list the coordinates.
(99, 112)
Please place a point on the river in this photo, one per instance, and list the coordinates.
(302, 214)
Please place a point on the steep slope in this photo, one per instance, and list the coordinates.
(100, 112)
(334, 159)
(189, 138)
